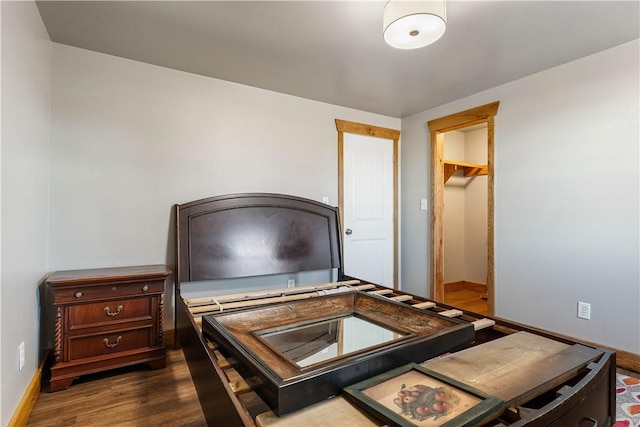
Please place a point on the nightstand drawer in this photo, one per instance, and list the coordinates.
(110, 312)
(109, 343)
(81, 293)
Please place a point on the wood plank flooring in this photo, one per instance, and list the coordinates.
(128, 397)
(467, 300)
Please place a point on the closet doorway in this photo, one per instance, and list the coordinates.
(463, 164)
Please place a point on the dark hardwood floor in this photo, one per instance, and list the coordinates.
(134, 396)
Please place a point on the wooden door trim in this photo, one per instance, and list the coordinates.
(437, 128)
(379, 132)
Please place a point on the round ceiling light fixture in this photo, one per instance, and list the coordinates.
(412, 24)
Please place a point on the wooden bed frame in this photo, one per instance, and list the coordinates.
(222, 240)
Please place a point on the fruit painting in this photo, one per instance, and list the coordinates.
(422, 400)
(415, 396)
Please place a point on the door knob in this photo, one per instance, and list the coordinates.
(348, 231)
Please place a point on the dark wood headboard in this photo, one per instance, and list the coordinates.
(252, 234)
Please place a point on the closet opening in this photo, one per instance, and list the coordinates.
(462, 210)
(465, 218)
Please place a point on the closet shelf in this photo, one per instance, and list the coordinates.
(468, 169)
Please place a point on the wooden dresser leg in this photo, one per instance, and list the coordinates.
(57, 385)
(158, 364)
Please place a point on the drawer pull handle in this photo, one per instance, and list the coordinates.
(113, 313)
(108, 344)
(78, 294)
(594, 421)
(145, 288)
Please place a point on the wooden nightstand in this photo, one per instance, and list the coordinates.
(107, 318)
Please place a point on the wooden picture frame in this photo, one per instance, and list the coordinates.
(413, 395)
(285, 385)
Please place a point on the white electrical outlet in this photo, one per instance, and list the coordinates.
(291, 283)
(325, 200)
(423, 204)
(584, 310)
(21, 356)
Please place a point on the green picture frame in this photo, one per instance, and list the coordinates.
(413, 395)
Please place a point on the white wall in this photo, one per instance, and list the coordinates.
(26, 66)
(129, 140)
(454, 212)
(465, 210)
(567, 197)
(476, 209)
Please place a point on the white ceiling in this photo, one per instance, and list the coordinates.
(333, 51)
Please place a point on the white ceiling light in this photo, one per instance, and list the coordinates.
(411, 24)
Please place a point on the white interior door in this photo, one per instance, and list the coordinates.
(368, 237)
